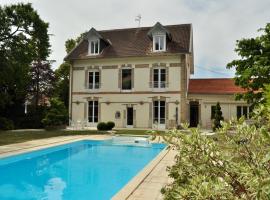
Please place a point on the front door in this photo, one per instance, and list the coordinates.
(194, 114)
(129, 116)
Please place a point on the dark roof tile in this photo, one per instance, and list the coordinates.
(135, 42)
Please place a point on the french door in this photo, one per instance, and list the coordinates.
(159, 118)
(92, 112)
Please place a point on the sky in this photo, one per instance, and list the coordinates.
(217, 24)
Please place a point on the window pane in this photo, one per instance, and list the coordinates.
(162, 103)
(96, 47)
(161, 44)
(213, 108)
(155, 104)
(245, 111)
(96, 80)
(95, 111)
(239, 114)
(162, 112)
(92, 47)
(162, 78)
(126, 79)
(90, 111)
(90, 80)
(156, 75)
(156, 38)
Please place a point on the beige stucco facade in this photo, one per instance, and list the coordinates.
(227, 102)
(112, 100)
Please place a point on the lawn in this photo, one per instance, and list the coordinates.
(10, 137)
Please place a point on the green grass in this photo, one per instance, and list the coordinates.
(10, 137)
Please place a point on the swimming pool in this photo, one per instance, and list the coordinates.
(92, 170)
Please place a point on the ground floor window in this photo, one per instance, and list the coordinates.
(92, 111)
(159, 112)
(242, 111)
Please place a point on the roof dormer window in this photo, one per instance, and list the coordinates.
(94, 47)
(159, 42)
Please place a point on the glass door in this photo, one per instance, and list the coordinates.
(159, 118)
(93, 112)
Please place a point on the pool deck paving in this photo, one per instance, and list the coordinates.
(146, 185)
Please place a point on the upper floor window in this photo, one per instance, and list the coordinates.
(94, 47)
(126, 79)
(159, 42)
(159, 78)
(93, 80)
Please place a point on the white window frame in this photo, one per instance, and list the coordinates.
(159, 125)
(93, 112)
(126, 90)
(94, 80)
(154, 42)
(90, 49)
(159, 78)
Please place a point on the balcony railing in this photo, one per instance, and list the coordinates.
(159, 84)
(93, 86)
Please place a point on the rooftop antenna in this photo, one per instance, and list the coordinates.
(138, 19)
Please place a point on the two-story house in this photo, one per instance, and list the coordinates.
(139, 77)
(136, 77)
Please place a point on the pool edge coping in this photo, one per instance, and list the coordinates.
(128, 189)
(42, 146)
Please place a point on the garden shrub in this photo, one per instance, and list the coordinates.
(56, 115)
(217, 117)
(6, 124)
(102, 126)
(110, 125)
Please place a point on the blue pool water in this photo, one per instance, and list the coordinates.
(82, 170)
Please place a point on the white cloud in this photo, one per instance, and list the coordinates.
(217, 24)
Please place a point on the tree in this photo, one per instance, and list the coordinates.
(62, 73)
(62, 83)
(42, 81)
(253, 67)
(23, 39)
(57, 114)
(217, 117)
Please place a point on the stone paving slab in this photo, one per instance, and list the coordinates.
(150, 188)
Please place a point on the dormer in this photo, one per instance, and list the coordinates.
(160, 36)
(96, 43)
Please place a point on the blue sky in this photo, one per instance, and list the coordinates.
(217, 24)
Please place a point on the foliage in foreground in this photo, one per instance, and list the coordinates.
(231, 165)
